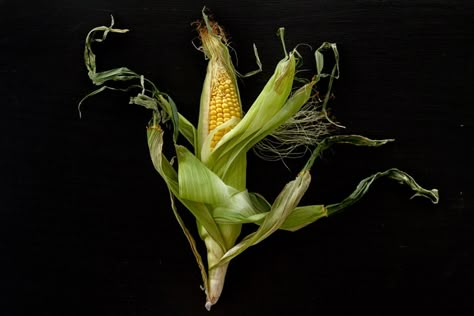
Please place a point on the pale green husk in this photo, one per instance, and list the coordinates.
(211, 184)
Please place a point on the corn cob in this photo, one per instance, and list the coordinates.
(220, 103)
(223, 104)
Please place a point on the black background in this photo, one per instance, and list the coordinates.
(85, 223)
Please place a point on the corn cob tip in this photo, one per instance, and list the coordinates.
(207, 24)
(212, 36)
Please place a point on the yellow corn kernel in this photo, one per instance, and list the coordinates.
(224, 104)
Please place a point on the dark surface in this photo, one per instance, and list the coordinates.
(85, 223)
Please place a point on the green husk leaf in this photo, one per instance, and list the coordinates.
(320, 60)
(284, 204)
(333, 75)
(240, 208)
(198, 183)
(259, 65)
(302, 216)
(393, 173)
(296, 219)
(118, 74)
(192, 243)
(169, 174)
(181, 124)
(97, 91)
(145, 101)
(153, 102)
(187, 129)
(173, 110)
(356, 140)
(261, 205)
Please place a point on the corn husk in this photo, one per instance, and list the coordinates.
(211, 182)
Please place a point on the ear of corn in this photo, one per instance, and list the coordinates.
(211, 183)
(220, 99)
